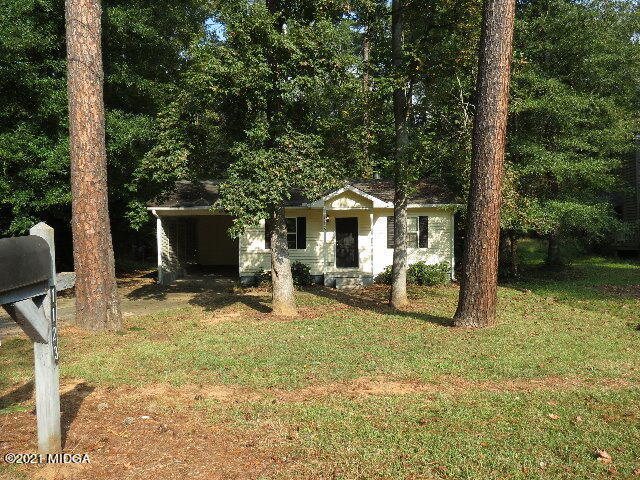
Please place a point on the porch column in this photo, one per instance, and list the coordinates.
(159, 235)
(371, 239)
(324, 243)
(453, 247)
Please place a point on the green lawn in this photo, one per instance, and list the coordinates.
(533, 397)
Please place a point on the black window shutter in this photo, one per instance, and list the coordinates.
(423, 235)
(267, 234)
(390, 231)
(301, 242)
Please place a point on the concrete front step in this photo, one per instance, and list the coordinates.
(348, 280)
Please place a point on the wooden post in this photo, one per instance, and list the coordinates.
(46, 364)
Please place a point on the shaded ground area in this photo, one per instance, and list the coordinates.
(140, 295)
(133, 435)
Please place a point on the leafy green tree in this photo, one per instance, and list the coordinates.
(34, 159)
(262, 107)
(574, 111)
(143, 45)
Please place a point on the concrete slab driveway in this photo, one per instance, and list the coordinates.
(139, 296)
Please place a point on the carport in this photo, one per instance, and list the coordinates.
(192, 237)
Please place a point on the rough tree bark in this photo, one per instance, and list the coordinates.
(97, 303)
(366, 90)
(478, 289)
(283, 302)
(281, 277)
(398, 296)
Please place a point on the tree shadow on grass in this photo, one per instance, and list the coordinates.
(368, 299)
(187, 285)
(210, 294)
(17, 396)
(581, 282)
(211, 301)
(70, 404)
(218, 293)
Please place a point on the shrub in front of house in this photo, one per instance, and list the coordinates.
(263, 279)
(301, 276)
(420, 273)
(384, 277)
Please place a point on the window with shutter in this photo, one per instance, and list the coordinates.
(296, 233)
(267, 234)
(423, 235)
(301, 239)
(417, 232)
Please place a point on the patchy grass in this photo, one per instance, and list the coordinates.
(352, 389)
(496, 435)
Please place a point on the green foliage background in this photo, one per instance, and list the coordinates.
(190, 86)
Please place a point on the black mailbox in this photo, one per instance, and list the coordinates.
(24, 262)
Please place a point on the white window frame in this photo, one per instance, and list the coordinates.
(416, 232)
(295, 222)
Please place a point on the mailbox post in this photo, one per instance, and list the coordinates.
(28, 294)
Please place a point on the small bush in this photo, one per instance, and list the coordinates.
(384, 277)
(263, 279)
(420, 273)
(301, 274)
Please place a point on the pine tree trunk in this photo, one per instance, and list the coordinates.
(398, 297)
(281, 278)
(478, 290)
(366, 90)
(553, 251)
(97, 304)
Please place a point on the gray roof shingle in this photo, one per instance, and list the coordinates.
(204, 193)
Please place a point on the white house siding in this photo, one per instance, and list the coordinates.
(254, 257)
(440, 238)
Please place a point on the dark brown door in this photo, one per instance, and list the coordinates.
(347, 242)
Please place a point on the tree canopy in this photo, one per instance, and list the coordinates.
(142, 46)
(296, 100)
(574, 111)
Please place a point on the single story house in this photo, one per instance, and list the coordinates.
(345, 236)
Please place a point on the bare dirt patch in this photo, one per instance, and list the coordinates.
(627, 291)
(365, 386)
(128, 437)
(158, 431)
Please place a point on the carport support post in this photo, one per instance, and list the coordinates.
(46, 366)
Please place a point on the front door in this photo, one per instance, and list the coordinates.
(347, 242)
